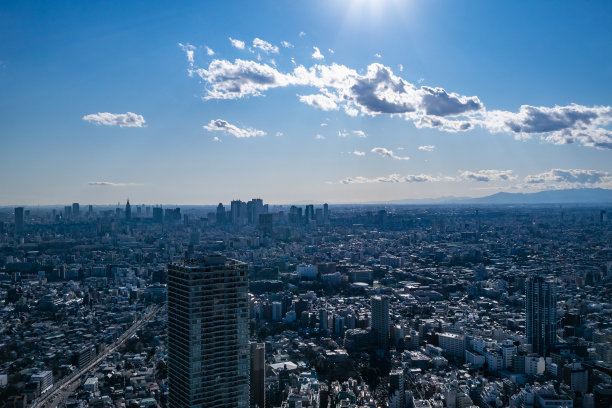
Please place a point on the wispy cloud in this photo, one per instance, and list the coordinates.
(286, 44)
(226, 127)
(383, 152)
(237, 43)
(209, 51)
(110, 184)
(358, 153)
(360, 133)
(319, 137)
(427, 148)
(302, 34)
(189, 51)
(392, 178)
(265, 46)
(127, 119)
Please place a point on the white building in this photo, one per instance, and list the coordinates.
(452, 344)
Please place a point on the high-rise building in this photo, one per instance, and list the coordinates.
(158, 215)
(541, 314)
(19, 221)
(257, 375)
(76, 210)
(128, 211)
(380, 319)
(208, 308)
(396, 389)
(220, 216)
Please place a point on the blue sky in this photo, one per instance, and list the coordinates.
(100, 102)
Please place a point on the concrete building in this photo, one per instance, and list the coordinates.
(257, 375)
(453, 344)
(541, 314)
(380, 319)
(208, 333)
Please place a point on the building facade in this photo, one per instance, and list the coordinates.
(208, 334)
(541, 314)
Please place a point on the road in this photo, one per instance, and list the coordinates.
(68, 381)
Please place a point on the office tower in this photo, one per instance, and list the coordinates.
(208, 334)
(128, 211)
(257, 375)
(325, 212)
(380, 320)
(158, 215)
(90, 211)
(255, 207)
(68, 211)
(76, 209)
(19, 221)
(541, 314)
(309, 213)
(220, 214)
(396, 389)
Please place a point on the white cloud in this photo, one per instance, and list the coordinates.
(383, 152)
(320, 137)
(377, 55)
(302, 34)
(427, 148)
(216, 139)
(279, 134)
(209, 51)
(569, 176)
(317, 54)
(237, 43)
(286, 44)
(189, 51)
(379, 91)
(401, 67)
(358, 153)
(488, 175)
(360, 133)
(110, 184)
(265, 46)
(320, 101)
(331, 51)
(241, 78)
(226, 127)
(392, 178)
(323, 124)
(557, 125)
(127, 119)
(343, 133)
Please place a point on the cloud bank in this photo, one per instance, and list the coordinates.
(379, 91)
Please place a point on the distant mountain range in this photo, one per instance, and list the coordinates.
(569, 196)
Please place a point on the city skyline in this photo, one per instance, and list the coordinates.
(342, 102)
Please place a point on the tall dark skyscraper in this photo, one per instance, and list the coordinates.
(208, 334)
(257, 375)
(128, 211)
(380, 319)
(76, 210)
(541, 314)
(19, 221)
